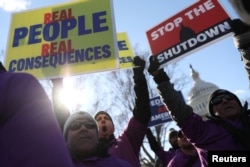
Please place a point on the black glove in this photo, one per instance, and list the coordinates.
(152, 141)
(158, 74)
(154, 66)
(241, 33)
(140, 65)
(141, 111)
(139, 62)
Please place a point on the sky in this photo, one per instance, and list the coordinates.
(219, 63)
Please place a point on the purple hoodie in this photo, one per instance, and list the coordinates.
(30, 133)
(127, 145)
(205, 135)
(181, 160)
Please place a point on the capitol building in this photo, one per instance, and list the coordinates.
(199, 93)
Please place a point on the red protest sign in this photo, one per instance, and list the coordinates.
(188, 30)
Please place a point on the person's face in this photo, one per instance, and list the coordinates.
(82, 137)
(183, 142)
(106, 127)
(225, 106)
(174, 141)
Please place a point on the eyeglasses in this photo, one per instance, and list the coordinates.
(77, 125)
(217, 100)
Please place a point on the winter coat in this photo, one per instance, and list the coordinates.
(127, 145)
(182, 160)
(205, 135)
(30, 135)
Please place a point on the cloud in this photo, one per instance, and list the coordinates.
(238, 92)
(14, 5)
(242, 94)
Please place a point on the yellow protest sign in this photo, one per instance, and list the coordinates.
(66, 39)
(126, 53)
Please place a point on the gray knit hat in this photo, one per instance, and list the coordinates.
(75, 116)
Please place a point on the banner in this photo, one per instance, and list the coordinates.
(189, 30)
(126, 52)
(66, 39)
(159, 112)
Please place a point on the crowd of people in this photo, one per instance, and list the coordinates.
(36, 132)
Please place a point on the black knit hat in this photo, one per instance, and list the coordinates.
(172, 133)
(219, 92)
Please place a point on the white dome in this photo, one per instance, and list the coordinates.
(198, 95)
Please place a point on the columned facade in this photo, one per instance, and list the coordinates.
(198, 95)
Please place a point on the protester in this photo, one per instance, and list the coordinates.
(221, 132)
(127, 145)
(186, 156)
(173, 139)
(30, 135)
(163, 156)
(81, 135)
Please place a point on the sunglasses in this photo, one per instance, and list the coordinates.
(77, 125)
(217, 100)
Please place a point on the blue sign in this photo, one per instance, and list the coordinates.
(159, 112)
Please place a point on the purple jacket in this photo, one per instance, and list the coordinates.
(205, 135)
(127, 145)
(110, 161)
(30, 133)
(208, 135)
(181, 160)
(166, 156)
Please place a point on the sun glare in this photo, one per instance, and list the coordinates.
(72, 97)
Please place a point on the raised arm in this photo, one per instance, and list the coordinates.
(141, 110)
(172, 98)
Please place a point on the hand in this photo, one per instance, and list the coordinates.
(139, 62)
(154, 66)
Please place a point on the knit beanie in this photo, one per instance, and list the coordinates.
(75, 116)
(219, 92)
(104, 112)
(172, 133)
